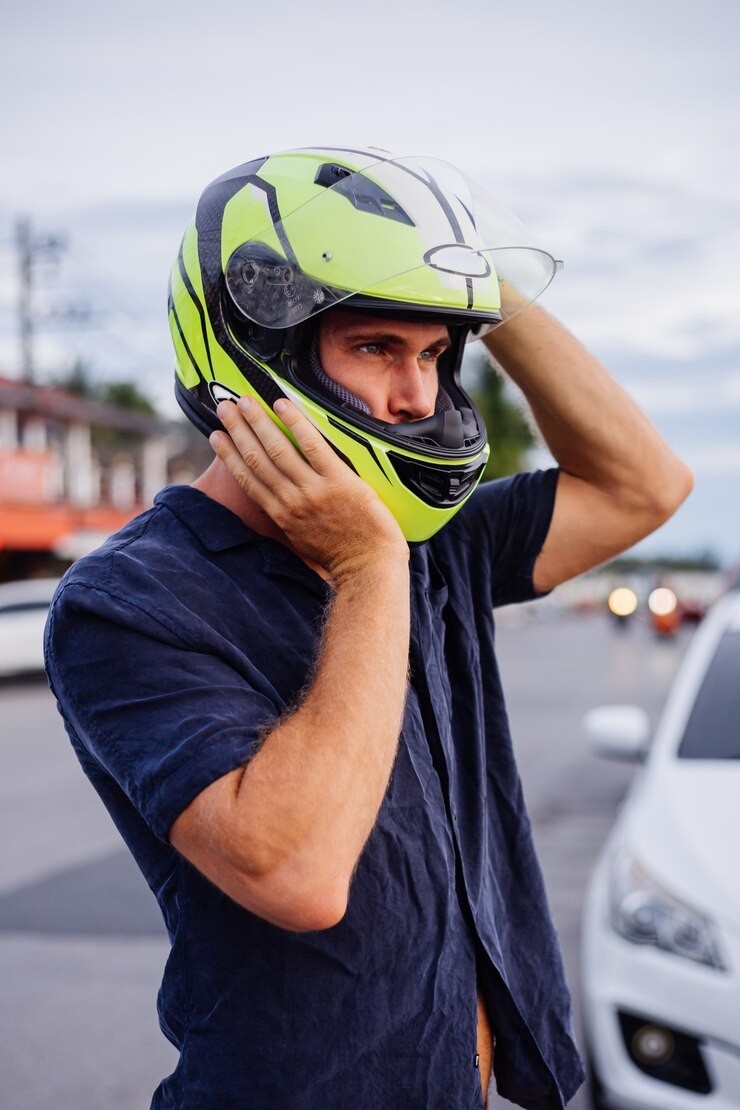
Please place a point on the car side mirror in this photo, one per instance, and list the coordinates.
(618, 732)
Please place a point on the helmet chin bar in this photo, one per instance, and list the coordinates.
(439, 488)
(448, 428)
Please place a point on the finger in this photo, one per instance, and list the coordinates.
(239, 463)
(250, 422)
(311, 443)
(238, 422)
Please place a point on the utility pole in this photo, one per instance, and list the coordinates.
(31, 250)
(23, 243)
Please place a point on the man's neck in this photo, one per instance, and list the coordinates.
(217, 483)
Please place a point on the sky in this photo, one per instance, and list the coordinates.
(611, 129)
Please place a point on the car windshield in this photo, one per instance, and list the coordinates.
(713, 729)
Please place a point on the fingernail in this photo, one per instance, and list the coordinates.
(243, 403)
(280, 405)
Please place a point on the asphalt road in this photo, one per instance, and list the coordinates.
(81, 942)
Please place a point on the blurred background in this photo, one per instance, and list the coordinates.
(611, 129)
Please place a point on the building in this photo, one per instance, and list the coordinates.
(73, 470)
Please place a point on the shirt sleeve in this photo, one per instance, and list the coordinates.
(161, 717)
(500, 532)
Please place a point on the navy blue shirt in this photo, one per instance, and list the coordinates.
(171, 651)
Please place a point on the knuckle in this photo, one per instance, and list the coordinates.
(313, 444)
(242, 480)
(297, 508)
(250, 458)
(277, 450)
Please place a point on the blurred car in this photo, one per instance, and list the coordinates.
(622, 603)
(665, 612)
(661, 927)
(23, 610)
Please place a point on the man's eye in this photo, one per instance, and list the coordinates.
(429, 356)
(371, 348)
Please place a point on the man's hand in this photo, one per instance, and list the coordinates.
(329, 515)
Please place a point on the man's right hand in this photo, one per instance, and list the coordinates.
(328, 514)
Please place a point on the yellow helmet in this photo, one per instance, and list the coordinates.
(277, 241)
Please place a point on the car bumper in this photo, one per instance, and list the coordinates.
(700, 1004)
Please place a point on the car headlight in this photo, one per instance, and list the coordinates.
(643, 913)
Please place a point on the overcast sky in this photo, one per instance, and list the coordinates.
(611, 129)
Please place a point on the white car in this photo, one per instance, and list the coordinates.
(23, 610)
(661, 927)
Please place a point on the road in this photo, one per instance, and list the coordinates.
(81, 942)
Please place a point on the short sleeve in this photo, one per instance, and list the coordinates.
(500, 532)
(161, 717)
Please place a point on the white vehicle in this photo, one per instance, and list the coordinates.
(661, 929)
(23, 610)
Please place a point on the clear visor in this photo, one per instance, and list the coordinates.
(410, 230)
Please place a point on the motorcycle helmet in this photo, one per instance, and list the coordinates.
(277, 241)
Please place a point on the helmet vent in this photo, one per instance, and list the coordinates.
(362, 193)
(440, 488)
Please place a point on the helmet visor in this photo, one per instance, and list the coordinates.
(409, 231)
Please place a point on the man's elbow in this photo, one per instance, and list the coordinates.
(322, 911)
(298, 903)
(670, 491)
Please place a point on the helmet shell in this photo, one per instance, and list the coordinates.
(277, 241)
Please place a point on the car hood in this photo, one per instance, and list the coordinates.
(682, 822)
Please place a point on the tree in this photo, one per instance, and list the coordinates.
(79, 380)
(126, 395)
(122, 394)
(509, 431)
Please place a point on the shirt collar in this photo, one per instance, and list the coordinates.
(215, 526)
(218, 529)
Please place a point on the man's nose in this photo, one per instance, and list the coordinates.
(413, 392)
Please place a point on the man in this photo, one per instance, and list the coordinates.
(301, 732)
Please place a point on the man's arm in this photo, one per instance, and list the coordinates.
(283, 835)
(619, 480)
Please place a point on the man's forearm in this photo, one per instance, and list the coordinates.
(593, 428)
(310, 797)
(282, 836)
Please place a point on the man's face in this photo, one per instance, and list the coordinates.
(389, 364)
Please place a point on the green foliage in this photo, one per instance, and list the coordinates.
(509, 431)
(79, 380)
(126, 395)
(118, 394)
(121, 394)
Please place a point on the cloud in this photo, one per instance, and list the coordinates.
(650, 268)
(703, 393)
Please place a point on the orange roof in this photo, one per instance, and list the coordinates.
(42, 527)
